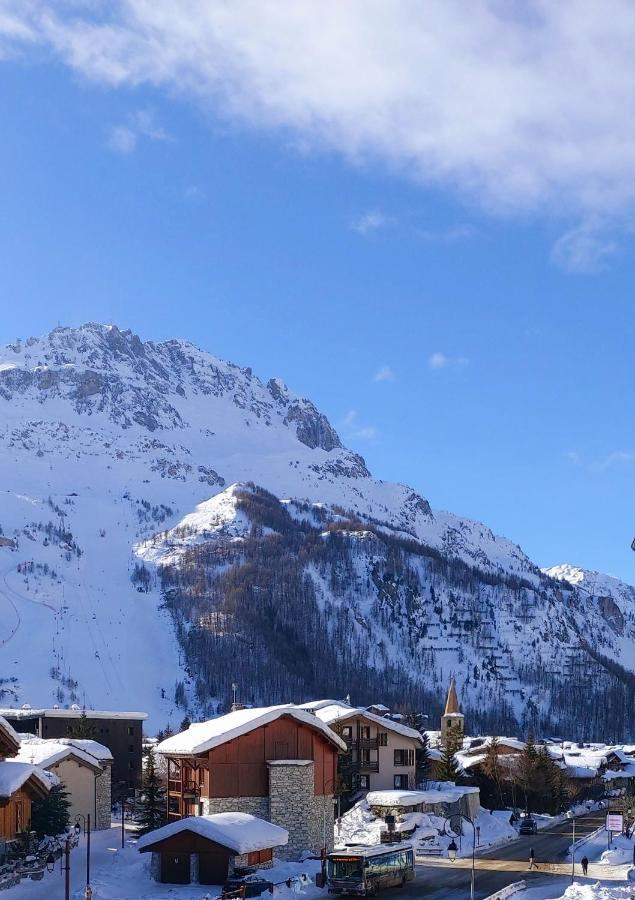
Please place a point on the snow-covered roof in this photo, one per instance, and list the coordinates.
(203, 736)
(484, 743)
(372, 850)
(626, 772)
(29, 712)
(47, 752)
(340, 712)
(240, 832)
(449, 793)
(14, 774)
(8, 734)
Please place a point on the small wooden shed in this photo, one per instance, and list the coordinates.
(206, 849)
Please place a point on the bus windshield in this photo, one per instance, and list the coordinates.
(349, 867)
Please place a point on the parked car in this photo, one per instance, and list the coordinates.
(528, 826)
(253, 886)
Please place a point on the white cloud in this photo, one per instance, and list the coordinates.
(139, 124)
(610, 461)
(522, 106)
(353, 429)
(440, 360)
(385, 373)
(369, 222)
(584, 249)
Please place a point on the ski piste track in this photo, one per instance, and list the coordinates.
(11, 621)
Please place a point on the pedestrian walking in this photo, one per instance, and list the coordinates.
(532, 859)
(585, 865)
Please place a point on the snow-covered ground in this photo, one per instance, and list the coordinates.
(118, 874)
(360, 826)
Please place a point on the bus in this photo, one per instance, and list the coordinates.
(366, 870)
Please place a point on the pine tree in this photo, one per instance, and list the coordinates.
(151, 812)
(185, 723)
(422, 756)
(82, 728)
(448, 768)
(50, 815)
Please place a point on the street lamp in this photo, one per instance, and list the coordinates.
(452, 848)
(571, 815)
(86, 820)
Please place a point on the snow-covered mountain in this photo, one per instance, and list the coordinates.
(172, 524)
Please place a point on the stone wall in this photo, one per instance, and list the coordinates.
(291, 804)
(103, 799)
(309, 819)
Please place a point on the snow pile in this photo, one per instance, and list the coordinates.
(620, 852)
(595, 891)
(360, 826)
(237, 831)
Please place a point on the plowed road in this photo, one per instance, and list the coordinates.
(439, 879)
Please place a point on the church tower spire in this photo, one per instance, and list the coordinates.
(452, 720)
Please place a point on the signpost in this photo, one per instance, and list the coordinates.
(614, 825)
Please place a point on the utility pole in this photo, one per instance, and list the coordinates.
(123, 824)
(573, 853)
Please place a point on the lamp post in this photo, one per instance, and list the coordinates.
(452, 848)
(572, 817)
(88, 892)
(331, 783)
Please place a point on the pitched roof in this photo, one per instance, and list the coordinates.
(15, 775)
(240, 832)
(47, 752)
(203, 736)
(452, 702)
(340, 712)
(9, 740)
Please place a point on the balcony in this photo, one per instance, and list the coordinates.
(367, 765)
(361, 743)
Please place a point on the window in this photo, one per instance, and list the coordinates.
(347, 732)
(365, 732)
(131, 764)
(401, 781)
(382, 738)
(130, 730)
(404, 757)
(364, 782)
(257, 857)
(130, 748)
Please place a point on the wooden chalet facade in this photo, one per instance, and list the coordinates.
(20, 784)
(265, 762)
(239, 767)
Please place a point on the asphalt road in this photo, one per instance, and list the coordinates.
(441, 880)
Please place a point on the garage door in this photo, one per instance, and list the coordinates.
(175, 868)
(212, 868)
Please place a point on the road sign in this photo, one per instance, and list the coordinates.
(615, 822)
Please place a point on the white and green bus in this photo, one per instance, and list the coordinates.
(367, 870)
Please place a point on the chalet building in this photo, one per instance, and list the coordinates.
(278, 763)
(206, 849)
(452, 721)
(20, 784)
(84, 768)
(380, 752)
(121, 732)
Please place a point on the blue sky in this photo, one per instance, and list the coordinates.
(469, 334)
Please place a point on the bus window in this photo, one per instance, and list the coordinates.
(346, 867)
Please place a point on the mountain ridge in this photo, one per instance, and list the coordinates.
(117, 454)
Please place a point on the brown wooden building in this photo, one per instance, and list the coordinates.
(20, 784)
(269, 762)
(206, 849)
